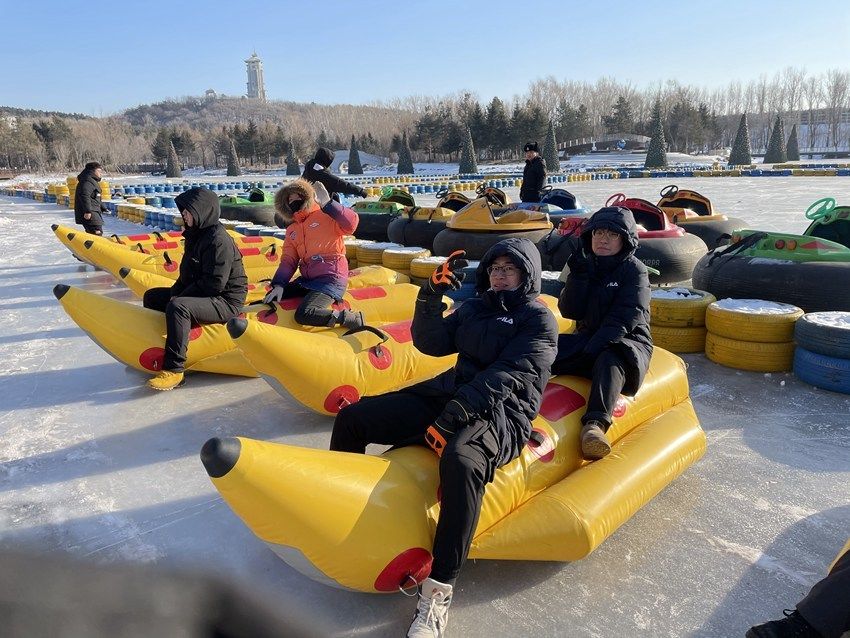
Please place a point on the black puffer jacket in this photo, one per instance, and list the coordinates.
(533, 180)
(318, 170)
(610, 299)
(87, 199)
(211, 265)
(506, 343)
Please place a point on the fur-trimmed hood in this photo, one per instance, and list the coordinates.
(303, 189)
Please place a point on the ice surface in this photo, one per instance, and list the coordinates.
(93, 464)
(756, 306)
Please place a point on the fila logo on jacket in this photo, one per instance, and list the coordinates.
(508, 320)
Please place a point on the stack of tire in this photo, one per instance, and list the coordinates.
(822, 358)
(751, 334)
(677, 318)
(351, 244)
(399, 259)
(371, 253)
(422, 267)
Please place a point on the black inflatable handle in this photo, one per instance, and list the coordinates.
(669, 191)
(384, 337)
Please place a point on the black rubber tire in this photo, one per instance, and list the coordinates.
(675, 257)
(374, 226)
(551, 286)
(813, 286)
(255, 213)
(716, 233)
(823, 339)
(476, 244)
(414, 232)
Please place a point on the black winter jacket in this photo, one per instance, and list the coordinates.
(87, 199)
(506, 343)
(533, 180)
(211, 265)
(609, 299)
(313, 173)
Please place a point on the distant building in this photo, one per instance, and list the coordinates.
(210, 94)
(256, 85)
(823, 130)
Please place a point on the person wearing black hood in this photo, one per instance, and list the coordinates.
(318, 170)
(211, 287)
(476, 416)
(88, 208)
(607, 294)
(533, 175)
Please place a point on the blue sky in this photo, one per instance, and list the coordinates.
(98, 58)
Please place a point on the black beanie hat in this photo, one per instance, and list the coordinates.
(92, 166)
(324, 156)
(530, 146)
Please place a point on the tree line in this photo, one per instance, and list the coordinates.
(264, 134)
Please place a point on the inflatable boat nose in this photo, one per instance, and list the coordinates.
(53, 227)
(60, 289)
(219, 456)
(237, 327)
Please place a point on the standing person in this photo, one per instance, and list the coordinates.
(314, 245)
(211, 287)
(318, 170)
(607, 293)
(823, 613)
(533, 175)
(476, 416)
(88, 207)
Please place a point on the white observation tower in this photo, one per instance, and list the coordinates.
(256, 85)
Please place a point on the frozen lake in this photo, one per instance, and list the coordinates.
(95, 465)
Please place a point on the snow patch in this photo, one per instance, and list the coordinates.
(767, 261)
(756, 306)
(834, 319)
(676, 293)
(764, 561)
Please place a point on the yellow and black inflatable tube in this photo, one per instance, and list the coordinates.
(366, 522)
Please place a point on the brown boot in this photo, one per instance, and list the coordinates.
(594, 443)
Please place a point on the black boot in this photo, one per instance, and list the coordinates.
(792, 626)
(350, 319)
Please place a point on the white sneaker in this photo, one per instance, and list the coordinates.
(432, 612)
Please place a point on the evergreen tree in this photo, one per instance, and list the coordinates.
(793, 150)
(172, 166)
(741, 154)
(468, 163)
(498, 125)
(292, 167)
(354, 167)
(776, 147)
(656, 155)
(550, 151)
(405, 157)
(233, 161)
(621, 119)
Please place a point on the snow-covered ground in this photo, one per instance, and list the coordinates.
(93, 464)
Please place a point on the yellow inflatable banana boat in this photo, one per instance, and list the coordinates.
(367, 522)
(135, 335)
(375, 361)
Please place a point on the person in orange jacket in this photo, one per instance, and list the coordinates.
(314, 245)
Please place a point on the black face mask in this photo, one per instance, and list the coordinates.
(296, 205)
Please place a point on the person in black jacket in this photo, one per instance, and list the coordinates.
(533, 175)
(318, 170)
(211, 287)
(88, 208)
(607, 293)
(476, 416)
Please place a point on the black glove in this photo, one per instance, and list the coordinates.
(363, 193)
(578, 262)
(449, 276)
(453, 417)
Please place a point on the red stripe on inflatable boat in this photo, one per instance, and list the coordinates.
(250, 239)
(407, 569)
(374, 292)
(247, 252)
(559, 401)
(400, 331)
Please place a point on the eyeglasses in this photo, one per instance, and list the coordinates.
(604, 233)
(507, 271)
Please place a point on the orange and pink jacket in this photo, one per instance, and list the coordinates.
(314, 245)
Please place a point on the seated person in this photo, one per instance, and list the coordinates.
(476, 416)
(211, 287)
(314, 245)
(823, 613)
(607, 293)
